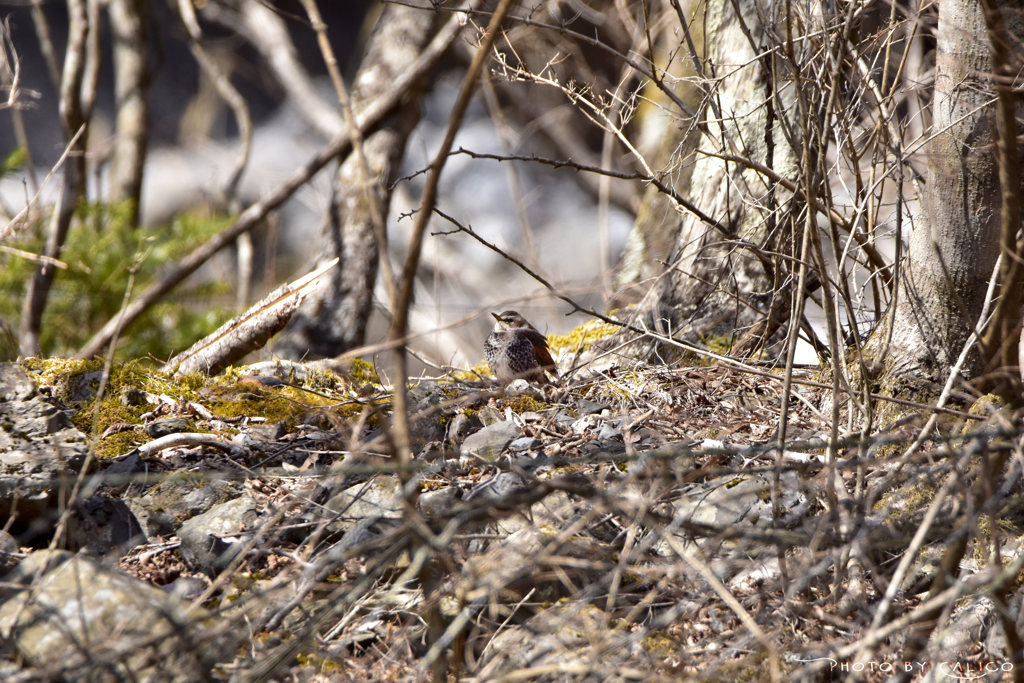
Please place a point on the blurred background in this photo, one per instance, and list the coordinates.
(554, 220)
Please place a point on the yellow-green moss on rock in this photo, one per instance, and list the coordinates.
(582, 336)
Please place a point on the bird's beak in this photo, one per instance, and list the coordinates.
(496, 316)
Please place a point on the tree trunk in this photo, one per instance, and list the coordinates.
(335, 320)
(658, 221)
(131, 74)
(74, 114)
(955, 245)
(720, 282)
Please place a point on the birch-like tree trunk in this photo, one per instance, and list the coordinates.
(720, 282)
(75, 109)
(131, 84)
(955, 245)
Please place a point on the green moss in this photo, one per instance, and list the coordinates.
(193, 381)
(661, 645)
(583, 336)
(720, 344)
(362, 372)
(523, 404)
(56, 372)
(986, 406)
(320, 379)
(319, 663)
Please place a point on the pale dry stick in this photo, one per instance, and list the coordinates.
(887, 115)
(93, 60)
(404, 295)
(341, 143)
(9, 229)
(607, 145)
(46, 43)
(625, 555)
(346, 619)
(574, 672)
(593, 41)
(684, 203)
(339, 600)
(945, 599)
(502, 625)
(37, 258)
(805, 382)
(77, 94)
(869, 250)
(454, 628)
(950, 595)
(643, 331)
(228, 573)
(263, 26)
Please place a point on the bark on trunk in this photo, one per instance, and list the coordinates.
(954, 248)
(131, 76)
(73, 114)
(334, 321)
(716, 284)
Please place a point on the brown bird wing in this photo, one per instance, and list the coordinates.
(540, 349)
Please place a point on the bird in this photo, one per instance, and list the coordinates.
(516, 349)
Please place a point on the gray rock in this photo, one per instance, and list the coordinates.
(185, 494)
(490, 441)
(185, 587)
(526, 443)
(380, 497)
(742, 501)
(154, 521)
(521, 387)
(30, 419)
(105, 526)
(15, 383)
(168, 425)
(561, 637)
(610, 430)
(564, 418)
(438, 503)
(461, 426)
(126, 472)
(9, 551)
(133, 464)
(271, 431)
(85, 386)
(130, 396)
(585, 407)
(425, 424)
(118, 629)
(504, 484)
(39, 451)
(210, 541)
(489, 416)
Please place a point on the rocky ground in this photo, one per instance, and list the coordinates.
(628, 525)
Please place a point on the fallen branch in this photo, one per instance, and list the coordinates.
(248, 332)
